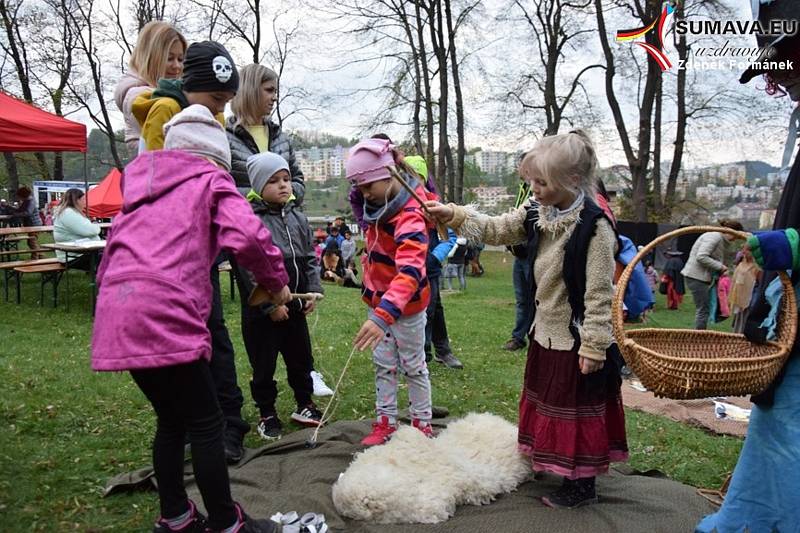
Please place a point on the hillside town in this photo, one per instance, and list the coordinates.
(746, 190)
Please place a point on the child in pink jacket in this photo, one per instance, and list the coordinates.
(181, 207)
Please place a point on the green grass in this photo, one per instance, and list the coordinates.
(65, 430)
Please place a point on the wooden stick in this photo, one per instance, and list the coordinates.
(307, 296)
(441, 229)
(259, 296)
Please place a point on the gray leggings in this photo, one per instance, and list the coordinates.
(700, 293)
(402, 351)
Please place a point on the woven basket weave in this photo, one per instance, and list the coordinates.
(689, 364)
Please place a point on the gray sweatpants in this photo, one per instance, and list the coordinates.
(403, 348)
(702, 302)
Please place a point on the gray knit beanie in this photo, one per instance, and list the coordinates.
(195, 130)
(261, 167)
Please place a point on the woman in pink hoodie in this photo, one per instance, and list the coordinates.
(181, 207)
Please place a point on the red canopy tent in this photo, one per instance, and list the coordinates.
(26, 128)
(105, 200)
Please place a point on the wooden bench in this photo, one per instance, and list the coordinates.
(6, 254)
(8, 269)
(51, 273)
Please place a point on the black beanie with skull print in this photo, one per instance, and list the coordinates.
(209, 67)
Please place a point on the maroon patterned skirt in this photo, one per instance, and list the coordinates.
(570, 424)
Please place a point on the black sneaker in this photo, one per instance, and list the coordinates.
(572, 494)
(449, 360)
(196, 524)
(269, 427)
(308, 415)
(439, 412)
(234, 445)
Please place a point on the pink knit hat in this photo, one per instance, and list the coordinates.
(368, 161)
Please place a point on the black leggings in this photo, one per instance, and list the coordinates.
(264, 340)
(185, 403)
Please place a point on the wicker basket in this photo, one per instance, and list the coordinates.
(688, 364)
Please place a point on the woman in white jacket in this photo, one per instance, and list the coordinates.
(70, 224)
(159, 53)
(706, 259)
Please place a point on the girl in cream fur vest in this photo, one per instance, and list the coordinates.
(571, 421)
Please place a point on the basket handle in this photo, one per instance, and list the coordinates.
(622, 283)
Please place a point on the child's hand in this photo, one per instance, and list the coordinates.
(282, 297)
(588, 366)
(309, 307)
(279, 314)
(368, 336)
(260, 295)
(441, 212)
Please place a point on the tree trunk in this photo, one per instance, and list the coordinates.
(417, 132)
(451, 173)
(638, 160)
(437, 38)
(657, 148)
(58, 160)
(680, 127)
(426, 84)
(461, 148)
(13, 174)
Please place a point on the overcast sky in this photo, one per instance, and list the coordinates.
(342, 103)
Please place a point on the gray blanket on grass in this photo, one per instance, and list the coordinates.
(287, 476)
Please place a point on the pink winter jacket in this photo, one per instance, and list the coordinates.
(155, 292)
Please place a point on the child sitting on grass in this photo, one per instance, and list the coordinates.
(180, 208)
(272, 329)
(395, 286)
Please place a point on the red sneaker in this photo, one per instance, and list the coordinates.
(426, 430)
(381, 431)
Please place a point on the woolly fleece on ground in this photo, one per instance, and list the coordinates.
(413, 479)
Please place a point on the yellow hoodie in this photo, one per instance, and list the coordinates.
(153, 113)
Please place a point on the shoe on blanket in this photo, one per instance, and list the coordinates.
(572, 494)
(381, 432)
(233, 440)
(269, 427)
(308, 416)
(426, 430)
(245, 524)
(194, 523)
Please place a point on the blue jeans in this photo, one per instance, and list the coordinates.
(522, 274)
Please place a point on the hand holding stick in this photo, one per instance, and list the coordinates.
(261, 296)
(441, 229)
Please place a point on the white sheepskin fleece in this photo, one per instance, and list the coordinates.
(414, 479)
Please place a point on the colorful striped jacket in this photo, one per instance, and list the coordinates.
(395, 279)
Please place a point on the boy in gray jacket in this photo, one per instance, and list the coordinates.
(269, 330)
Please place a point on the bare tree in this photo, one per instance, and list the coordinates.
(426, 84)
(556, 26)
(280, 54)
(12, 13)
(55, 54)
(92, 96)
(458, 191)
(638, 157)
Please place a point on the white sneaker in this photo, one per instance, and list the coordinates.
(320, 388)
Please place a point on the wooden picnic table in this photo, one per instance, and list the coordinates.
(5, 220)
(78, 248)
(38, 229)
